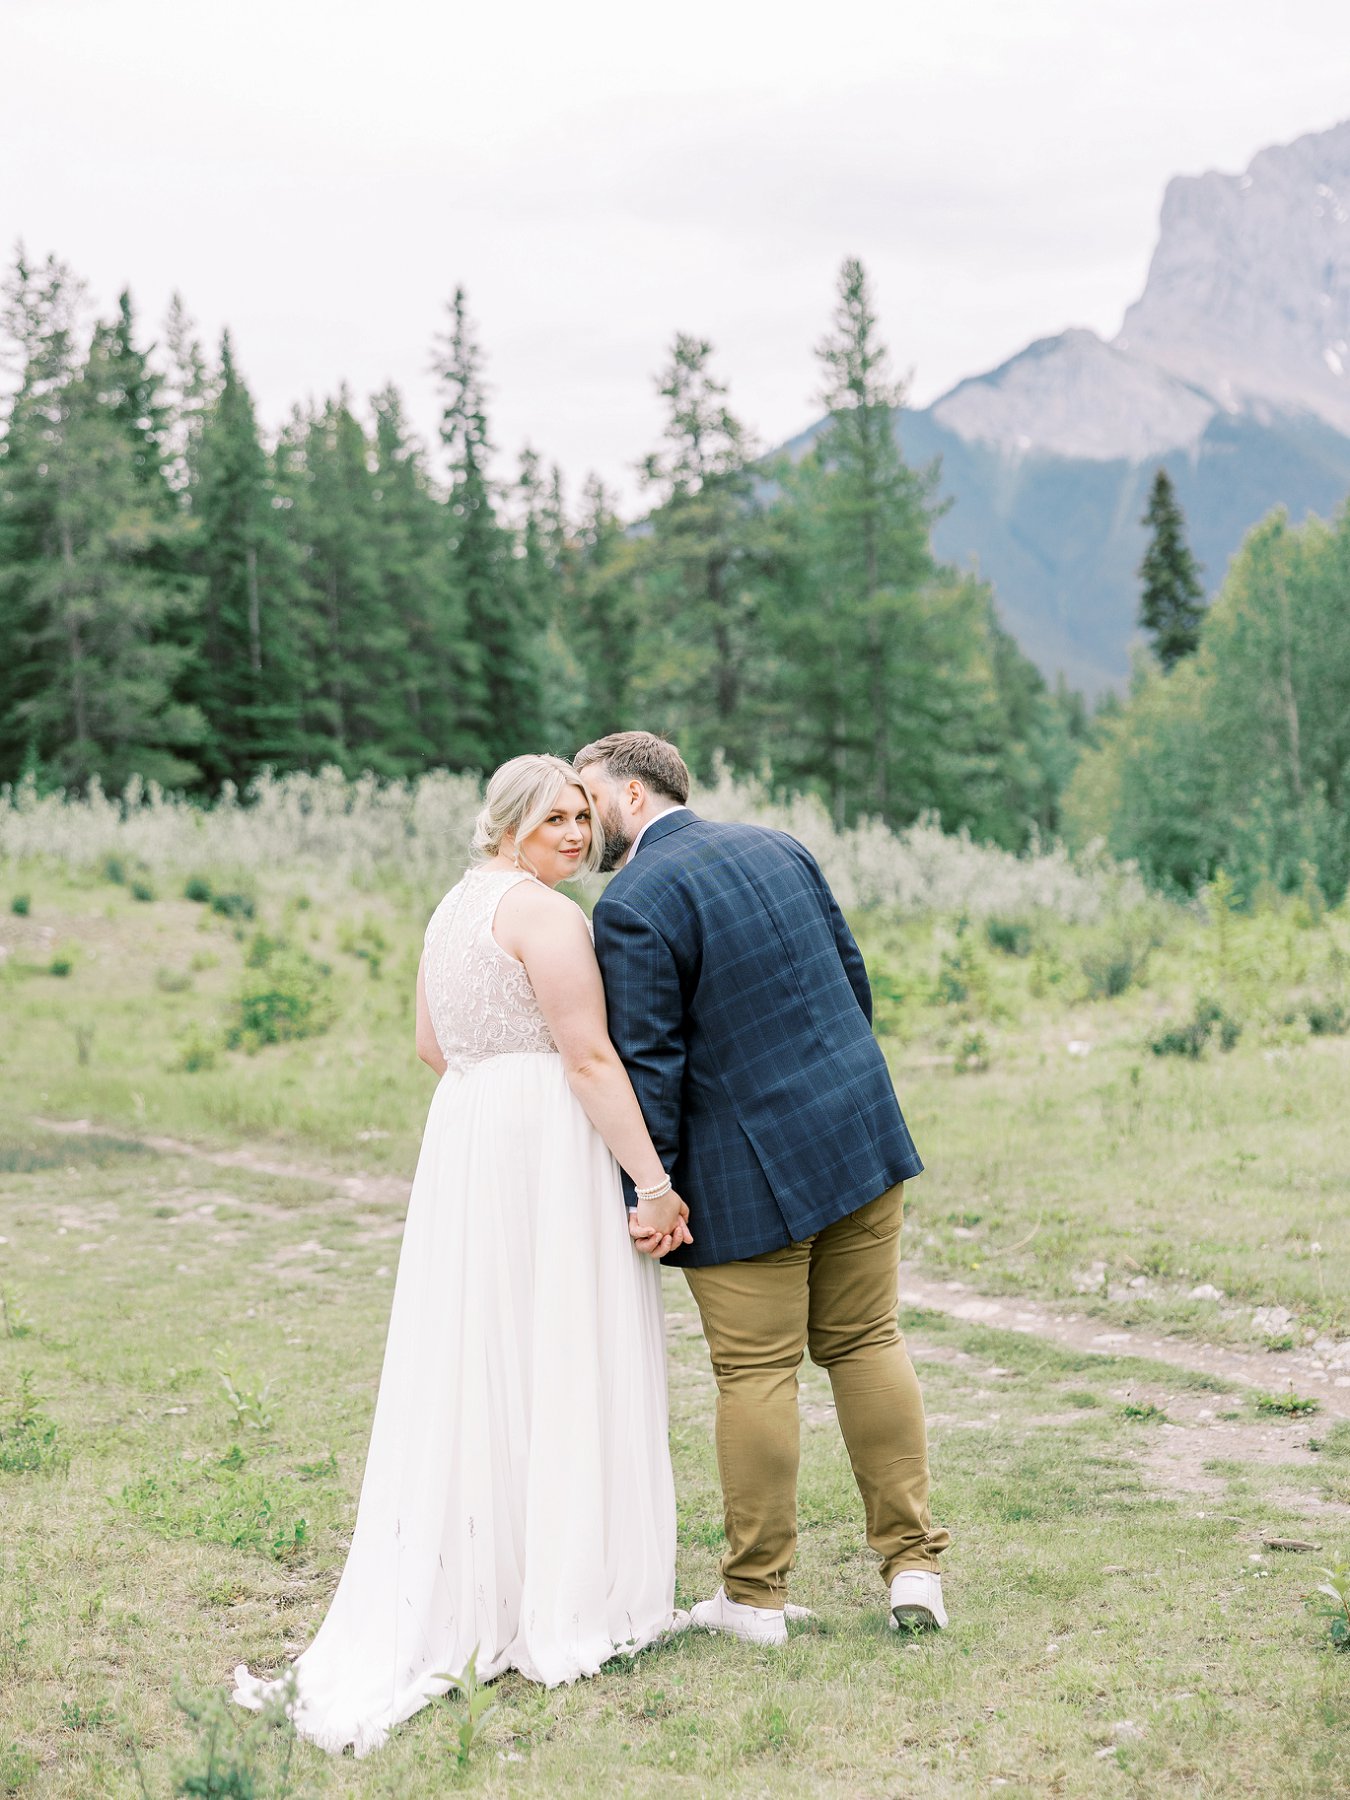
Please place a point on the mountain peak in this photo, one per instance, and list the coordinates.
(1074, 395)
(1248, 292)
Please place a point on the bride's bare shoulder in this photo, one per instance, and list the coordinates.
(531, 911)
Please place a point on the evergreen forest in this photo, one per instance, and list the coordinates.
(186, 600)
(189, 600)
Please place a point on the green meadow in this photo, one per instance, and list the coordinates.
(1130, 1110)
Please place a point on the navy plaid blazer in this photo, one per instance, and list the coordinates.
(740, 1005)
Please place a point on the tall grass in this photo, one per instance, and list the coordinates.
(364, 831)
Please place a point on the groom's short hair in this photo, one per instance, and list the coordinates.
(641, 756)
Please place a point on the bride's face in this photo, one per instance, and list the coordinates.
(557, 849)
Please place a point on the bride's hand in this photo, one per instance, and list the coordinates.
(658, 1227)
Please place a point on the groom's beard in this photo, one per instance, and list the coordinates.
(618, 842)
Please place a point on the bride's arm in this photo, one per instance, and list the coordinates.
(548, 934)
(427, 1047)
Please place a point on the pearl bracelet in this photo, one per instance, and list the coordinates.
(654, 1193)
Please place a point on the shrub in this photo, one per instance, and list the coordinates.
(1114, 966)
(1208, 1023)
(285, 994)
(1143, 1412)
(197, 888)
(17, 1768)
(19, 904)
(963, 974)
(236, 905)
(221, 1506)
(172, 981)
(1285, 1406)
(1327, 1018)
(29, 1441)
(359, 829)
(365, 941)
(196, 1052)
(115, 870)
(141, 889)
(62, 963)
(1014, 937)
(233, 1757)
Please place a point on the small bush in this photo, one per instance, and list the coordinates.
(365, 941)
(1014, 937)
(115, 870)
(963, 977)
(61, 964)
(17, 1768)
(1143, 1412)
(233, 1756)
(1327, 1018)
(29, 1440)
(196, 1052)
(141, 889)
(237, 904)
(1285, 1406)
(221, 1506)
(197, 888)
(972, 1054)
(1208, 1024)
(1113, 967)
(19, 904)
(172, 981)
(285, 995)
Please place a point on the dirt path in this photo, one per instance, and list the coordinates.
(1312, 1371)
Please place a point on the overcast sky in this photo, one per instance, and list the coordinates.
(319, 174)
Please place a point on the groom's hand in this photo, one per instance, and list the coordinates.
(659, 1226)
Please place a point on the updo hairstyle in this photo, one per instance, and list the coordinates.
(520, 796)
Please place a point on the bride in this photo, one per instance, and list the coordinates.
(517, 1498)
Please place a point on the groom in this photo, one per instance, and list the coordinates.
(739, 1003)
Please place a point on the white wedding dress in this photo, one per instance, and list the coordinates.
(517, 1498)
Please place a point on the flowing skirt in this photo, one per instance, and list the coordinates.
(517, 1497)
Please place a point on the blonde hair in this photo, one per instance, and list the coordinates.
(520, 796)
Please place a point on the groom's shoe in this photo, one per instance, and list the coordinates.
(756, 1624)
(916, 1601)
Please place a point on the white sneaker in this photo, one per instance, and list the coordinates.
(756, 1624)
(916, 1601)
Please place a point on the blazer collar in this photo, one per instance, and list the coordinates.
(664, 826)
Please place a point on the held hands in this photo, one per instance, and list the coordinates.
(659, 1226)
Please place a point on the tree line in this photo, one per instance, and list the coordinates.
(1232, 752)
(188, 600)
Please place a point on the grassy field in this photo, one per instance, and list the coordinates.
(189, 1346)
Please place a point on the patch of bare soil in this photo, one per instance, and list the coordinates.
(1174, 1454)
(1270, 1370)
(373, 1190)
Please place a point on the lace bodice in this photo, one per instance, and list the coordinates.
(480, 997)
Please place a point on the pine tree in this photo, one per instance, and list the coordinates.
(1172, 604)
(88, 592)
(433, 692)
(703, 566)
(604, 621)
(132, 392)
(323, 470)
(863, 679)
(502, 713)
(186, 390)
(247, 677)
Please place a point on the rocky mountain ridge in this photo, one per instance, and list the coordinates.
(1232, 367)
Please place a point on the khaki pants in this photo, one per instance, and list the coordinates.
(835, 1294)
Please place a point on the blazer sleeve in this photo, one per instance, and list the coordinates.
(644, 1001)
(849, 953)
